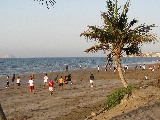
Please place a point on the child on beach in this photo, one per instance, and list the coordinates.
(145, 77)
(125, 69)
(18, 82)
(69, 79)
(91, 80)
(31, 84)
(13, 78)
(98, 68)
(51, 84)
(144, 67)
(61, 82)
(45, 81)
(7, 84)
(152, 68)
(66, 67)
(136, 68)
(65, 80)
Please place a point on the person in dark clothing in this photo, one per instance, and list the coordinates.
(69, 78)
(91, 80)
(7, 84)
(66, 67)
(13, 78)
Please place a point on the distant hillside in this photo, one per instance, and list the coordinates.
(8, 56)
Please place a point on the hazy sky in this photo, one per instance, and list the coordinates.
(28, 29)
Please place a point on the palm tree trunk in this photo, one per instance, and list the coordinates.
(119, 67)
(2, 115)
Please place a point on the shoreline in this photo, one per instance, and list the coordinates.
(36, 68)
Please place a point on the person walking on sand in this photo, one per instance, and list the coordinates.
(31, 84)
(51, 84)
(18, 82)
(45, 81)
(91, 80)
(61, 82)
(7, 84)
(13, 78)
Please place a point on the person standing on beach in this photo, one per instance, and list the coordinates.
(80, 66)
(136, 68)
(31, 84)
(69, 79)
(143, 67)
(91, 80)
(13, 78)
(66, 67)
(61, 82)
(140, 66)
(51, 84)
(65, 80)
(18, 82)
(153, 68)
(98, 68)
(7, 84)
(45, 81)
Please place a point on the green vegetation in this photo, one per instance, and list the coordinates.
(116, 97)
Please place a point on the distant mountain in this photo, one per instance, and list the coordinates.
(8, 56)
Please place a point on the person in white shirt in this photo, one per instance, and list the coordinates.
(98, 68)
(143, 67)
(45, 81)
(18, 82)
(31, 84)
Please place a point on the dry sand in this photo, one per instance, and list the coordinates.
(79, 101)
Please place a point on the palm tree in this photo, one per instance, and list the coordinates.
(118, 35)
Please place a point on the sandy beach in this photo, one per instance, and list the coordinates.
(77, 101)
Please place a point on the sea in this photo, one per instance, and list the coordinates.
(19, 66)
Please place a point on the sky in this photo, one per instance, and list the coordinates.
(28, 29)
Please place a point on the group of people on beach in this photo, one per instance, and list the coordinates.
(60, 81)
(66, 79)
(13, 79)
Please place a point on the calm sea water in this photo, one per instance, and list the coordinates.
(42, 65)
